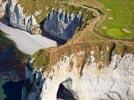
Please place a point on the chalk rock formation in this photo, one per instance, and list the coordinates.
(61, 24)
(34, 81)
(19, 20)
(114, 82)
(2, 8)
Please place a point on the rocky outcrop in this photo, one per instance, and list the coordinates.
(2, 8)
(19, 20)
(34, 82)
(58, 24)
(61, 24)
(113, 82)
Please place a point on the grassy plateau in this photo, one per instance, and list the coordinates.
(119, 21)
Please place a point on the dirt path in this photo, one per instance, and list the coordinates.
(95, 20)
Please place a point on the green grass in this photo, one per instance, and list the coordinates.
(115, 33)
(122, 12)
(42, 59)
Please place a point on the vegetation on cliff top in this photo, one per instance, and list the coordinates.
(43, 7)
(44, 59)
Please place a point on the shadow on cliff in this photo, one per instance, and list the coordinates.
(46, 34)
(64, 93)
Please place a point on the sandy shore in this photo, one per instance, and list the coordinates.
(26, 42)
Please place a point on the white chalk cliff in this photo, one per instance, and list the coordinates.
(19, 20)
(114, 82)
(61, 24)
(58, 24)
(2, 8)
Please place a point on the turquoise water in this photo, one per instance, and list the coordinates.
(2, 95)
(24, 93)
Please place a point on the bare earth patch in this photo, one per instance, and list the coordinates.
(95, 3)
(110, 18)
(108, 10)
(126, 30)
(92, 3)
(104, 27)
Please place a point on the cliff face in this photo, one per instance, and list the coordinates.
(19, 20)
(33, 83)
(93, 71)
(2, 8)
(114, 81)
(58, 24)
(61, 24)
(90, 73)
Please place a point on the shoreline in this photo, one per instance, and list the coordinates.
(26, 42)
